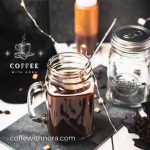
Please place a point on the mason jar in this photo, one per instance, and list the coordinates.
(128, 70)
(70, 91)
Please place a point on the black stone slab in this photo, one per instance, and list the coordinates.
(102, 132)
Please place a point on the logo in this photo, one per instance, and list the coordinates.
(23, 49)
(125, 84)
(133, 34)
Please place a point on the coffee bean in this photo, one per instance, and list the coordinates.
(1, 111)
(7, 112)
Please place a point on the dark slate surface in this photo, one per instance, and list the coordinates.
(102, 132)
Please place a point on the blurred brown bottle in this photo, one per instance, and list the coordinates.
(86, 25)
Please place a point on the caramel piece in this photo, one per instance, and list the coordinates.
(35, 76)
(95, 96)
(101, 101)
(47, 147)
(97, 110)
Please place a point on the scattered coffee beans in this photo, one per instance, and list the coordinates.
(7, 112)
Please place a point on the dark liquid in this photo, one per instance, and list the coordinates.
(89, 41)
(71, 115)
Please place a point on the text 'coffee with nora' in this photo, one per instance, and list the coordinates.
(24, 67)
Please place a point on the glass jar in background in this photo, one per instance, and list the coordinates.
(128, 70)
(70, 93)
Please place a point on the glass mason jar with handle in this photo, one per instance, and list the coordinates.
(128, 71)
(69, 91)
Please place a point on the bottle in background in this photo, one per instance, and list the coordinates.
(86, 25)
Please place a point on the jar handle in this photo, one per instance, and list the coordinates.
(33, 89)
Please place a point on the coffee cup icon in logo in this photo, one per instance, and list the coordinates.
(23, 49)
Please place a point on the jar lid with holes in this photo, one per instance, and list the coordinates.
(131, 38)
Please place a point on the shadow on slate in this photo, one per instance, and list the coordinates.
(102, 132)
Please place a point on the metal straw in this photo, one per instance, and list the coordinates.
(104, 37)
(101, 42)
(96, 50)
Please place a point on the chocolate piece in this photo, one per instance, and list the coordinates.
(141, 126)
(137, 72)
(98, 74)
(141, 144)
(146, 107)
(143, 129)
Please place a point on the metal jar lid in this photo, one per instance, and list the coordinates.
(131, 38)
